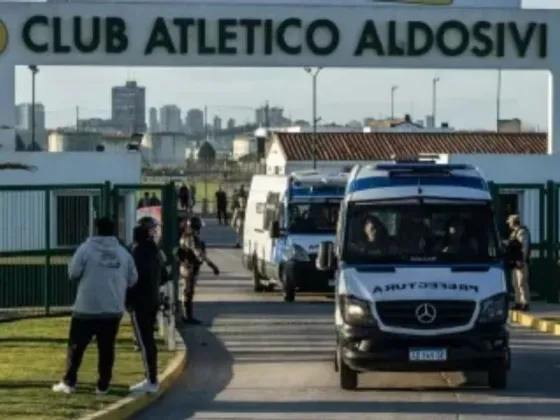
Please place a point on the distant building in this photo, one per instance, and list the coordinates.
(153, 124)
(166, 148)
(170, 119)
(217, 124)
(512, 125)
(128, 107)
(275, 117)
(230, 123)
(243, 146)
(195, 121)
(24, 114)
(97, 125)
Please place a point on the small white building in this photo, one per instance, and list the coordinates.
(166, 148)
(504, 158)
(62, 197)
(243, 146)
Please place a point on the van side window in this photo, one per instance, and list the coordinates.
(272, 200)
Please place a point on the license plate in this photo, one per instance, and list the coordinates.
(427, 355)
(331, 283)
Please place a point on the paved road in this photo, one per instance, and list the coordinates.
(261, 359)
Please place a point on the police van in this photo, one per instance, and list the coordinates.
(420, 274)
(286, 218)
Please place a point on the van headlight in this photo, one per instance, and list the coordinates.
(494, 309)
(297, 253)
(356, 311)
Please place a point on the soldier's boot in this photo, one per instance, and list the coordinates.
(188, 317)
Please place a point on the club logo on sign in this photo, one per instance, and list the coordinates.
(3, 36)
(426, 313)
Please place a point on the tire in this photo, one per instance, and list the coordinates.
(257, 285)
(288, 286)
(498, 377)
(348, 378)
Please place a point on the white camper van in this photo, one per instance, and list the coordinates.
(286, 219)
(420, 280)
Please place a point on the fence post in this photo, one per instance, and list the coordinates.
(47, 279)
(106, 199)
(169, 220)
(552, 289)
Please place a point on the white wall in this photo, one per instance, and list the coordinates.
(22, 212)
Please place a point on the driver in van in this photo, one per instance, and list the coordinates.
(457, 241)
(375, 237)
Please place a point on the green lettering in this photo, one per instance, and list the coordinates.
(522, 42)
(394, 49)
(250, 25)
(183, 24)
(203, 49)
(58, 45)
(327, 25)
(160, 38)
(92, 44)
(116, 40)
(543, 40)
(461, 30)
(26, 31)
(369, 40)
(480, 35)
(226, 32)
(500, 39)
(281, 36)
(416, 29)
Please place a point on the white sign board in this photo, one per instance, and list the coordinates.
(478, 4)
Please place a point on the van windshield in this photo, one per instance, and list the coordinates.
(445, 231)
(313, 217)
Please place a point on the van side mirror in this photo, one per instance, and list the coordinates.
(325, 256)
(274, 230)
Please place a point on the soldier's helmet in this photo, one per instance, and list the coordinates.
(195, 223)
(151, 225)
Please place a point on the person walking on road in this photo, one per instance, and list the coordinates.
(191, 254)
(221, 206)
(520, 255)
(143, 302)
(238, 218)
(105, 271)
(184, 196)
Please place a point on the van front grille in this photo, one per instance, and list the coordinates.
(417, 314)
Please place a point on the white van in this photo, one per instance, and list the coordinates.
(286, 218)
(420, 273)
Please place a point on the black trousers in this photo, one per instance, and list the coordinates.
(189, 289)
(82, 330)
(222, 215)
(143, 326)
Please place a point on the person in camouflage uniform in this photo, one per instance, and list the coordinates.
(238, 218)
(191, 254)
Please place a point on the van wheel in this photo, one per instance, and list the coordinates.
(257, 285)
(498, 377)
(288, 286)
(348, 378)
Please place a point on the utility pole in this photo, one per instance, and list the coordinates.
(314, 75)
(498, 100)
(266, 116)
(34, 70)
(435, 81)
(205, 123)
(393, 90)
(77, 118)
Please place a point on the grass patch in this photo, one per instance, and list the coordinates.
(32, 359)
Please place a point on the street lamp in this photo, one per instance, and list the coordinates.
(314, 74)
(394, 88)
(34, 70)
(435, 81)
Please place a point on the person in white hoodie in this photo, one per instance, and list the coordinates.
(105, 271)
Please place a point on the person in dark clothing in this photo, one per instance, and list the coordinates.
(242, 193)
(104, 271)
(191, 254)
(143, 303)
(184, 196)
(154, 201)
(221, 206)
(144, 201)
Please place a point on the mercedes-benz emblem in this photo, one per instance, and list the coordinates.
(426, 313)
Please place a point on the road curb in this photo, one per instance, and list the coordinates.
(130, 405)
(531, 321)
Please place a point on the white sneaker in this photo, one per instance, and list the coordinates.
(144, 387)
(99, 392)
(63, 388)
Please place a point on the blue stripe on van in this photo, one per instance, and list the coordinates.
(411, 181)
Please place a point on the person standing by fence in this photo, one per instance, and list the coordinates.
(519, 246)
(105, 271)
(221, 206)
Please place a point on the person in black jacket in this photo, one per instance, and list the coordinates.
(143, 301)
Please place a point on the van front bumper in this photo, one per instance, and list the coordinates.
(307, 278)
(370, 349)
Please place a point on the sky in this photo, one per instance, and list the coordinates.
(466, 99)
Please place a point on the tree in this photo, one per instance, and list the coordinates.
(206, 154)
